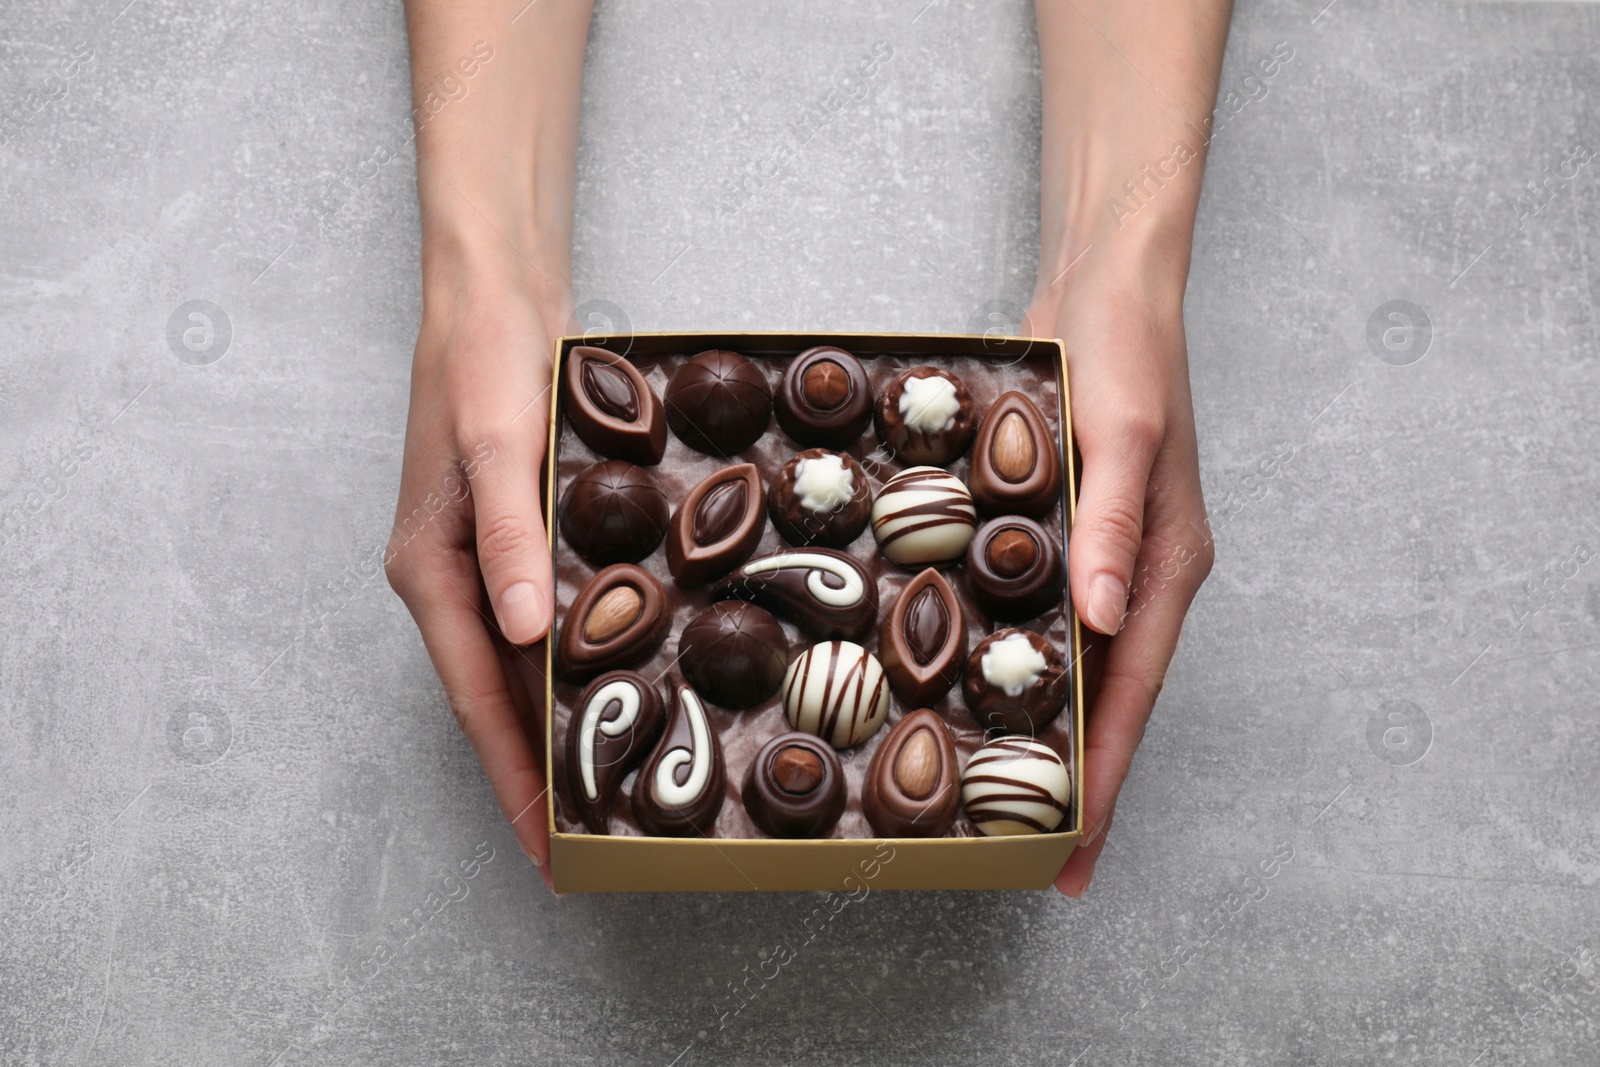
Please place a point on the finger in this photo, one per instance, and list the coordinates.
(1109, 523)
(513, 552)
(442, 592)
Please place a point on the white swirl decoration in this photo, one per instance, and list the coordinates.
(847, 595)
(668, 793)
(624, 693)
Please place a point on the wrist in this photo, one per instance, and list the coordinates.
(466, 256)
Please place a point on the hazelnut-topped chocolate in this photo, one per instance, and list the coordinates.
(1014, 568)
(718, 402)
(820, 498)
(611, 407)
(926, 416)
(824, 398)
(1016, 462)
(795, 787)
(613, 512)
(1016, 681)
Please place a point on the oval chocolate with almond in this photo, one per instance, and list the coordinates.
(923, 644)
(913, 786)
(717, 526)
(1016, 462)
(611, 407)
(617, 620)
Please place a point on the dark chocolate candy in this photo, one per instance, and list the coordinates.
(923, 515)
(718, 403)
(837, 691)
(1016, 785)
(613, 725)
(924, 640)
(820, 498)
(1016, 681)
(1014, 569)
(913, 788)
(795, 787)
(824, 398)
(717, 526)
(613, 512)
(926, 415)
(1016, 462)
(611, 407)
(824, 592)
(734, 653)
(681, 787)
(617, 619)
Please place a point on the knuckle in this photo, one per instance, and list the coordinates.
(1143, 430)
(1114, 528)
(398, 569)
(502, 537)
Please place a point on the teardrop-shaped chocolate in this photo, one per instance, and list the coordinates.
(1016, 462)
(616, 620)
(611, 407)
(681, 787)
(913, 787)
(825, 593)
(924, 640)
(613, 725)
(717, 526)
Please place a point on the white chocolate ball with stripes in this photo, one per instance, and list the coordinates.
(1016, 785)
(924, 515)
(836, 690)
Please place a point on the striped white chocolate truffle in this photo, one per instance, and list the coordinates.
(1015, 786)
(923, 515)
(837, 691)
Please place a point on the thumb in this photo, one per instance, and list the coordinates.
(1109, 523)
(513, 551)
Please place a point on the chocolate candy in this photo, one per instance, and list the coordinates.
(717, 526)
(718, 403)
(1016, 785)
(837, 691)
(924, 640)
(923, 515)
(911, 788)
(820, 498)
(613, 512)
(618, 619)
(1016, 463)
(926, 416)
(614, 723)
(1016, 681)
(824, 398)
(734, 653)
(795, 787)
(825, 593)
(1014, 569)
(680, 788)
(611, 407)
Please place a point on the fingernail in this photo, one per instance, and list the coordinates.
(528, 852)
(1108, 602)
(521, 612)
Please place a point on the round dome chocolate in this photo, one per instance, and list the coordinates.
(734, 654)
(926, 416)
(795, 787)
(1014, 568)
(820, 498)
(1016, 681)
(824, 398)
(718, 402)
(613, 512)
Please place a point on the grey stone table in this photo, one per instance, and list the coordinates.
(232, 790)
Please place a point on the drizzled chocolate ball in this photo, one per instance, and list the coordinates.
(718, 403)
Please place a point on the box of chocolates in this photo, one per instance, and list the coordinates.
(812, 621)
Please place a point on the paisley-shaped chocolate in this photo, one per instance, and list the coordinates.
(824, 398)
(616, 620)
(923, 515)
(611, 407)
(837, 691)
(1014, 569)
(913, 788)
(1016, 462)
(820, 498)
(681, 787)
(1016, 681)
(613, 724)
(717, 526)
(926, 415)
(1016, 785)
(924, 640)
(825, 593)
(795, 787)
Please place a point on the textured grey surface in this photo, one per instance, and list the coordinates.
(229, 774)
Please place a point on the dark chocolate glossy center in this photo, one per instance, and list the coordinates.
(610, 390)
(719, 512)
(927, 622)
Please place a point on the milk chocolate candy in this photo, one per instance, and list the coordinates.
(611, 407)
(926, 416)
(717, 526)
(1016, 785)
(1014, 569)
(923, 643)
(679, 790)
(824, 398)
(718, 403)
(1016, 681)
(825, 593)
(734, 653)
(614, 723)
(795, 787)
(820, 498)
(613, 512)
(1016, 462)
(912, 788)
(617, 620)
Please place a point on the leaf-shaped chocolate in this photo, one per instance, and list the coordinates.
(924, 640)
(616, 620)
(611, 407)
(717, 526)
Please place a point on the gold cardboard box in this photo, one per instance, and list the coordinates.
(597, 863)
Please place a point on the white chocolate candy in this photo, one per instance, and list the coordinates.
(837, 691)
(1013, 665)
(1016, 786)
(923, 515)
(929, 404)
(823, 484)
